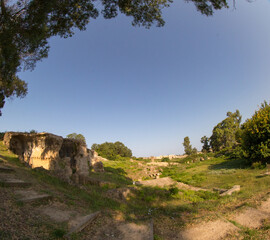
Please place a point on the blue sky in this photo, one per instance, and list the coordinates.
(150, 88)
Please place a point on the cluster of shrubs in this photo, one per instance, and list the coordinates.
(112, 151)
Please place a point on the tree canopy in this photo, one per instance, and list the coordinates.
(188, 147)
(225, 133)
(206, 145)
(27, 25)
(111, 150)
(256, 135)
(76, 136)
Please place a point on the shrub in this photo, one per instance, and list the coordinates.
(2, 136)
(32, 131)
(256, 135)
(237, 153)
(205, 157)
(257, 165)
(174, 191)
(165, 159)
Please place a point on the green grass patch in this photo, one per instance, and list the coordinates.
(5, 235)
(154, 202)
(58, 233)
(92, 198)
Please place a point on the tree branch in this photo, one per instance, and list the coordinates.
(18, 13)
(3, 7)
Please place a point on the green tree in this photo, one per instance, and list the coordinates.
(187, 146)
(111, 150)
(76, 136)
(27, 25)
(224, 134)
(256, 135)
(206, 146)
(33, 131)
(194, 151)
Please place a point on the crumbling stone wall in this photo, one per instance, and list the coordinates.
(66, 157)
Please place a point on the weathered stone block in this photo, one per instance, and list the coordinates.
(61, 155)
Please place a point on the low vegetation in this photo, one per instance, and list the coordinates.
(169, 206)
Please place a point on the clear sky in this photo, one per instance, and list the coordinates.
(150, 88)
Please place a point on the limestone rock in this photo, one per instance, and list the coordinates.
(63, 156)
(96, 161)
(235, 188)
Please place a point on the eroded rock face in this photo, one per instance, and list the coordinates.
(97, 161)
(64, 156)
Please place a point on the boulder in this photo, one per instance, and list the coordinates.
(235, 188)
(96, 161)
(120, 194)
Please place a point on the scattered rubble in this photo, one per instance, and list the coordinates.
(167, 181)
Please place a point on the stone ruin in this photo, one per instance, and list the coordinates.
(69, 159)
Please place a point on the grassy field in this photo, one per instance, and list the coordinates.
(169, 207)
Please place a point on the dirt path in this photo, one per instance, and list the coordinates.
(97, 226)
(229, 228)
(44, 208)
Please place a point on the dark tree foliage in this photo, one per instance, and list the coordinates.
(225, 133)
(187, 146)
(27, 25)
(2, 134)
(206, 146)
(256, 135)
(112, 151)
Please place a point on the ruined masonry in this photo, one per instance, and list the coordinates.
(67, 158)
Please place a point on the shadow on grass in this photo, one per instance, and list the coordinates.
(120, 171)
(156, 201)
(14, 160)
(93, 198)
(117, 176)
(230, 164)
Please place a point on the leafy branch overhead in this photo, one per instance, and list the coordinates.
(27, 25)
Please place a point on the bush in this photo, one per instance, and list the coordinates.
(205, 157)
(257, 165)
(165, 159)
(256, 135)
(237, 153)
(2, 136)
(174, 191)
